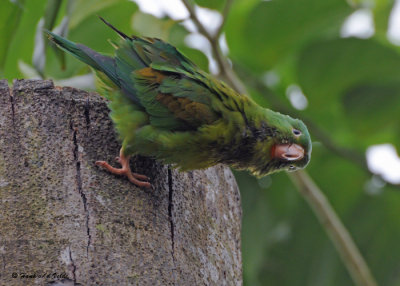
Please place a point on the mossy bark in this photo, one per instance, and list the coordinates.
(64, 221)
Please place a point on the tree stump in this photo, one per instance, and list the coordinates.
(64, 221)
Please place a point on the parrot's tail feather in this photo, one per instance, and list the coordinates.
(97, 61)
(115, 29)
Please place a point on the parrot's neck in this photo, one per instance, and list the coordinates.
(251, 140)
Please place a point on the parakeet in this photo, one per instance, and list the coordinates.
(164, 106)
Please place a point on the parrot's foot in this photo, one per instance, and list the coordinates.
(125, 170)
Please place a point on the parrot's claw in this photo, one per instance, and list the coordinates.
(125, 170)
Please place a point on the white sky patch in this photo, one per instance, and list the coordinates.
(210, 18)
(360, 24)
(281, 232)
(159, 8)
(189, 25)
(176, 10)
(385, 161)
(199, 42)
(374, 186)
(271, 78)
(296, 97)
(394, 24)
(223, 44)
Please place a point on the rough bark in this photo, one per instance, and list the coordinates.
(60, 214)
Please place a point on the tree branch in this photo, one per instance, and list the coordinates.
(201, 29)
(225, 13)
(341, 238)
(339, 235)
(223, 65)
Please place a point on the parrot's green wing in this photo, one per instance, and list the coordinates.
(158, 79)
(172, 90)
(173, 101)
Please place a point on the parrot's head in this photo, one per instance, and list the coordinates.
(288, 146)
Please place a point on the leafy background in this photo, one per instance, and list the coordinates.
(282, 50)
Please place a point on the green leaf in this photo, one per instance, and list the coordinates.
(151, 26)
(116, 12)
(53, 8)
(326, 68)
(381, 12)
(352, 81)
(273, 29)
(92, 32)
(22, 39)
(234, 27)
(373, 107)
(50, 15)
(212, 4)
(62, 30)
(198, 57)
(10, 18)
(82, 9)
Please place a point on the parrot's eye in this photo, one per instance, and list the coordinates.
(292, 168)
(296, 132)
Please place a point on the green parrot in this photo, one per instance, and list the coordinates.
(164, 106)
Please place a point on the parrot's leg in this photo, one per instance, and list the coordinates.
(125, 170)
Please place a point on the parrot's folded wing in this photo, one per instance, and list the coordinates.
(174, 101)
(159, 80)
(172, 90)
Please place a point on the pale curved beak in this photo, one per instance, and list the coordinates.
(288, 152)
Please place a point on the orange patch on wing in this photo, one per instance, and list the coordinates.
(151, 40)
(151, 74)
(194, 113)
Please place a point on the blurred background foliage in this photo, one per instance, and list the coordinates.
(295, 57)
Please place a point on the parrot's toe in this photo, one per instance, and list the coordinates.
(125, 170)
(141, 177)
